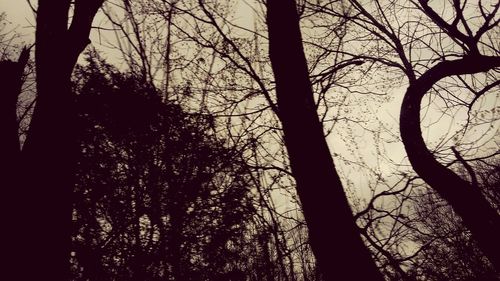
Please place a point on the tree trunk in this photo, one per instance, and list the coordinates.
(12, 79)
(333, 233)
(48, 155)
(174, 241)
(477, 214)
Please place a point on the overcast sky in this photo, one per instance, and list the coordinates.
(20, 15)
(18, 12)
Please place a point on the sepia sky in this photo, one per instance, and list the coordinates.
(21, 18)
(18, 12)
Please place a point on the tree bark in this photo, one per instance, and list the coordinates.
(477, 214)
(333, 233)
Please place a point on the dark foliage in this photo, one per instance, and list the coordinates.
(158, 196)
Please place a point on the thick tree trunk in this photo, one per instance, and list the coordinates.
(333, 233)
(11, 74)
(48, 152)
(477, 214)
(48, 155)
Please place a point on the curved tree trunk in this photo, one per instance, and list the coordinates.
(333, 234)
(477, 214)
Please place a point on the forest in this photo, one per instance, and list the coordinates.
(250, 140)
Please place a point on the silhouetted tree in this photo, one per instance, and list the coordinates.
(158, 196)
(333, 233)
(40, 196)
(447, 54)
(465, 198)
(12, 73)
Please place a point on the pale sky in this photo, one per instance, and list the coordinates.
(20, 15)
(18, 12)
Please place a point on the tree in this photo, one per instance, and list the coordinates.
(39, 197)
(13, 73)
(466, 199)
(448, 57)
(158, 195)
(337, 247)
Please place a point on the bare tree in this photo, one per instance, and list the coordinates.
(40, 196)
(333, 233)
(465, 198)
(449, 58)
